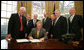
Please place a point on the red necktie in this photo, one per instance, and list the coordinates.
(21, 28)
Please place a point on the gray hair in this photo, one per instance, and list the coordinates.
(39, 22)
(36, 15)
(23, 8)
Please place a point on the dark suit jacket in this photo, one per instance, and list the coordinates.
(42, 33)
(75, 26)
(33, 26)
(51, 28)
(14, 26)
(29, 27)
(60, 27)
(46, 24)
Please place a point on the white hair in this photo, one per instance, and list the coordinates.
(23, 8)
(36, 14)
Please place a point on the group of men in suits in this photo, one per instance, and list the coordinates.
(31, 23)
(54, 27)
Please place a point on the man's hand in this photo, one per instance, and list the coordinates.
(75, 43)
(41, 39)
(51, 36)
(31, 38)
(47, 33)
(25, 35)
(8, 36)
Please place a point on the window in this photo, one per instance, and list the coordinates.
(7, 8)
(38, 7)
(65, 6)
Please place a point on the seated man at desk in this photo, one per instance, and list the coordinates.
(38, 32)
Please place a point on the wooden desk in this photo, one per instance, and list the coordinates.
(47, 44)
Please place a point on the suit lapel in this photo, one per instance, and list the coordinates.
(57, 20)
(36, 33)
(46, 20)
(73, 19)
(43, 21)
(40, 32)
(18, 18)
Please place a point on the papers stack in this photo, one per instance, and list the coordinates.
(26, 40)
(35, 40)
(22, 40)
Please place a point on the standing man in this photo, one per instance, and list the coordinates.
(75, 24)
(29, 24)
(17, 25)
(52, 20)
(34, 21)
(46, 23)
(60, 26)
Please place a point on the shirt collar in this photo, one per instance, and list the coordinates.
(73, 15)
(58, 17)
(19, 14)
(45, 18)
(34, 19)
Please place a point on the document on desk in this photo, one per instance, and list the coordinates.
(35, 40)
(22, 40)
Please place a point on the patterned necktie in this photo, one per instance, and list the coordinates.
(21, 28)
(71, 18)
(37, 34)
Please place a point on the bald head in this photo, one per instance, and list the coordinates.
(57, 13)
(72, 11)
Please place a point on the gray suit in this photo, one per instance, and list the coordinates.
(42, 33)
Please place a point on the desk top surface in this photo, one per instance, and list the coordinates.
(47, 44)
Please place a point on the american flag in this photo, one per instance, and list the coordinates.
(54, 9)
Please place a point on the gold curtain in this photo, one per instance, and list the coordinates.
(79, 7)
(27, 5)
(49, 6)
(79, 11)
